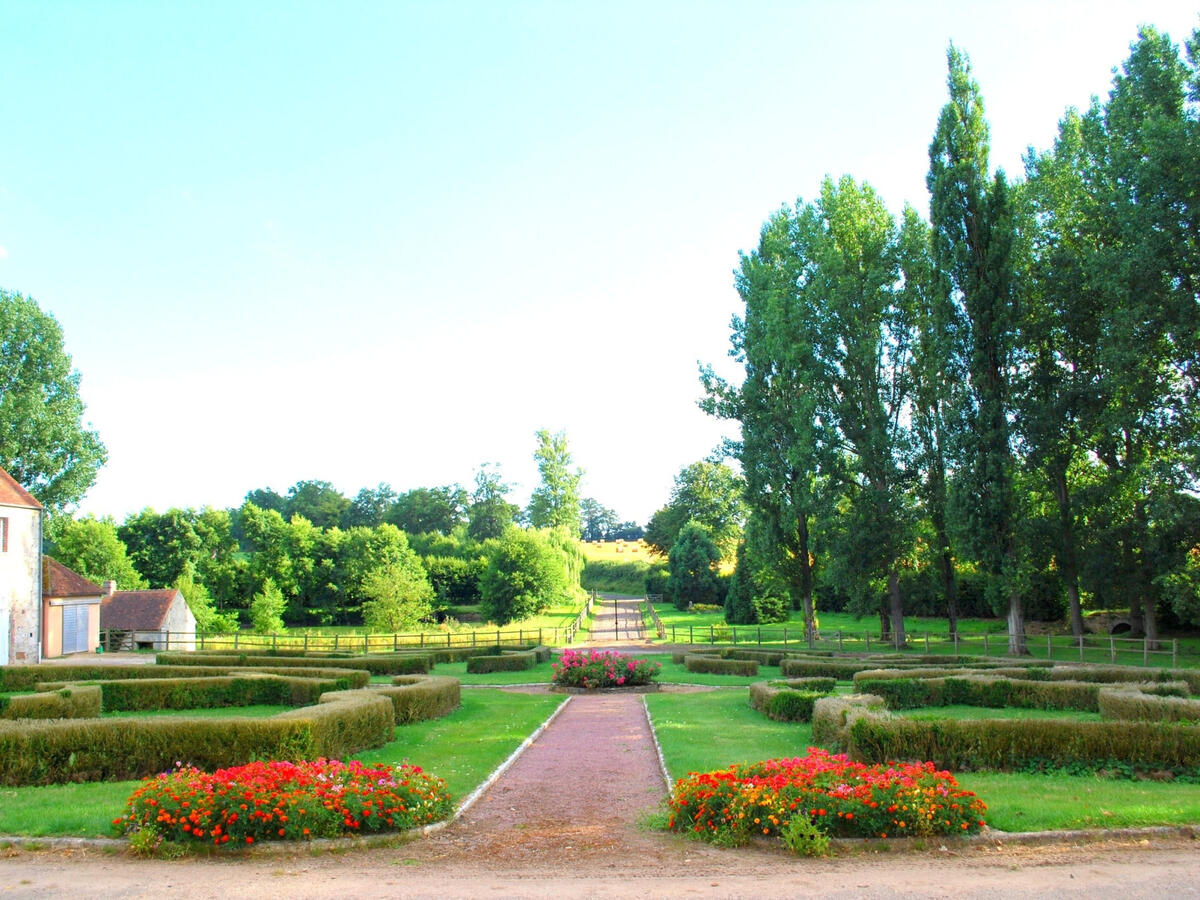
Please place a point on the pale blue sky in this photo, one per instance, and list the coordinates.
(370, 242)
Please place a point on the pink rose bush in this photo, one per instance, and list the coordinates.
(278, 801)
(602, 669)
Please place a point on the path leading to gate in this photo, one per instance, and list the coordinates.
(616, 621)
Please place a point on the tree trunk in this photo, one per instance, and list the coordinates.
(806, 582)
(897, 610)
(1016, 626)
(885, 624)
(1067, 562)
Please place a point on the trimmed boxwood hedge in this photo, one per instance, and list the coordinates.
(713, 665)
(832, 717)
(57, 702)
(789, 701)
(501, 662)
(248, 689)
(1009, 744)
(58, 751)
(1119, 703)
(420, 697)
(388, 664)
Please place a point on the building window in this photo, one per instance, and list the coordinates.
(3, 534)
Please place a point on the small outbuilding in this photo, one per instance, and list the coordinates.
(147, 620)
(70, 610)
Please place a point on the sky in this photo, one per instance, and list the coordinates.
(371, 242)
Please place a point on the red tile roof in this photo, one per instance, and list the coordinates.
(12, 494)
(137, 610)
(59, 582)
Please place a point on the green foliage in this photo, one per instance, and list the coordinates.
(804, 838)
(399, 595)
(417, 698)
(54, 702)
(554, 503)
(489, 513)
(714, 665)
(208, 620)
(426, 510)
(501, 662)
(789, 701)
(455, 581)
(266, 609)
(44, 444)
(91, 547)
(693, 567)
(705, 492)
(524, 575)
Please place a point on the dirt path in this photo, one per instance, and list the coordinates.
(617, 623)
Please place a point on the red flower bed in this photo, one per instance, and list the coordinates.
(266, 801)
(841, 798)
(602, 669)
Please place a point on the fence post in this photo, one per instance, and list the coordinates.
(1145, 652)
(867, 638)
(1049, 648)
(956, 642)
(1081, 648)
(927, 643)
(839, 640)
(712, 635)
(497, 637)
(1112, 649)
(691, 638)
(760, 635)
(235, 640)
(540, 636)
(986, 651)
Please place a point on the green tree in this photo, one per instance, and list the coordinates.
(266, 609)
(424, 510)
(208, 619)
(692, 567)
(318, 501)
(784, 434)
(162, 545)
(525, 574)
(554, 503)
(398, 595)
(972, 238)
(44, 444)
(706, 492)
(599, 522)
(489, 513)
(91, 547)
(370, 506)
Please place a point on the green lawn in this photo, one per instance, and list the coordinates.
(706, 731)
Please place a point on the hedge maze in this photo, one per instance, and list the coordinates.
(52, 729)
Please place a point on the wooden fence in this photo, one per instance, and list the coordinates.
(245, 641)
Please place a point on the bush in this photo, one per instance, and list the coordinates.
(832, 716)
(72, 750)
(1117, 703)
(215, 692)
(714, 665)
(501, 662)
(376, 664)
(837, 796)
(656, 580)
(789, 701)
(692, 563)
(1013, 744)
(603, 669)
(420, 697)
(287, 801)
(58, 701)
(524, 575)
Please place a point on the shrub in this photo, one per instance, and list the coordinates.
(72, 750)
(692, 563)
(58, 701)
(837, 796)
(789, 701)
(714, 665)
(832, 716)
(265, 801)
(420, 697)
(1118, 703)
(214, 693)
(501, 662)
(603, 669)
(1012, 744)
(524, 574)
(762, 657)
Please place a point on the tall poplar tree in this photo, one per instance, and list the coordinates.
(972, 233)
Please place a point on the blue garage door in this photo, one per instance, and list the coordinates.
(75, 629)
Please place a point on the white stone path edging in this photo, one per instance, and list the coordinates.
(472, 798)
(662, 763)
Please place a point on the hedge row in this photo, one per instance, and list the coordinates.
(77, 750)
(1125, 674)
(1135, 705)
(832, 717)
(1008, 744)
(416, 698)
(249, 689)
(789, 701)
(390, 664)
(714, 665)
(60, 702)
(501, 662)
